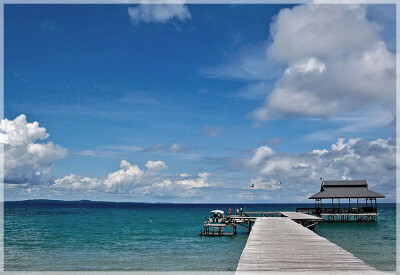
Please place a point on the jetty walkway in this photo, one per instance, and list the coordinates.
(284, 245)
(246, 220)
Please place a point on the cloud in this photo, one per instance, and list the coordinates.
(248, 63)
(200, 181)
(173, 148)
(153, 148)
(176, 148)
(113, 151)
(261, 153)
(26, 160)
(90, 153)
(336, 63)
(272, 141)
(309, 65)
(122, 148)
(125, 177)
(77, 182)
(158, 13)
(175, 187)
(319, 61)
(346, 159)
(384, 15)
(261, 183)
(255, 90)
(155, 165)
(365, 121)
(212, 132)
(351, 32)
(130, 179)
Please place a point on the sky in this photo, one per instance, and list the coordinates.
(195, 103)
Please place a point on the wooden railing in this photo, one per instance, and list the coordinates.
(336, 210)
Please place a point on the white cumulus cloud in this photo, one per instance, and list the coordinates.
(261, 153)
(25, 159)
(336, 63)
(156, 165)
(346, 159)
(128, 175)
(307, 65)
(200, 181)
(76, 182)
(130, 179)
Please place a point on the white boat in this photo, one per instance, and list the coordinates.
(216, 216)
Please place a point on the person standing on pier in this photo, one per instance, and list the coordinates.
(237, 211)
(230, 211)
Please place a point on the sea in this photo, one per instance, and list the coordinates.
(46, 235)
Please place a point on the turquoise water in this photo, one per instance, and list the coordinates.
(55, 235)
(372, 242)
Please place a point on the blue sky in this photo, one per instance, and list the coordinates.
(202, 89)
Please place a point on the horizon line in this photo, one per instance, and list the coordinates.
(138, 202)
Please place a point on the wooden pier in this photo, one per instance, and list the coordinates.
(308, 221)
(297, 216)
(350, 217)
(228, 225)
(218, 229)
(280, 244)
(342, 214)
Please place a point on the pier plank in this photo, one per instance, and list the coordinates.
(280, 244)
(300, 216)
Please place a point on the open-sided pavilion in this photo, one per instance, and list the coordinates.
(344, 201)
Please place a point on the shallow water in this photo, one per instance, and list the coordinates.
(51, 235)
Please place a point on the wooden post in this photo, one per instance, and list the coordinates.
(339, 204)
(332, 204)
(248, 226)
(376, 207)
(358, 210)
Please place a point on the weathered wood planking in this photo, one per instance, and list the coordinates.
(300, 216)
(280, 244)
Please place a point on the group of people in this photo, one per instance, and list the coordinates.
(239, 211)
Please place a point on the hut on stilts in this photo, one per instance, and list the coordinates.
(352, 207)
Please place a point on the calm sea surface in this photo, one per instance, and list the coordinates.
(54, 235)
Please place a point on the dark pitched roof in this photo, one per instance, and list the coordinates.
(345, 183)
(345, 189)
